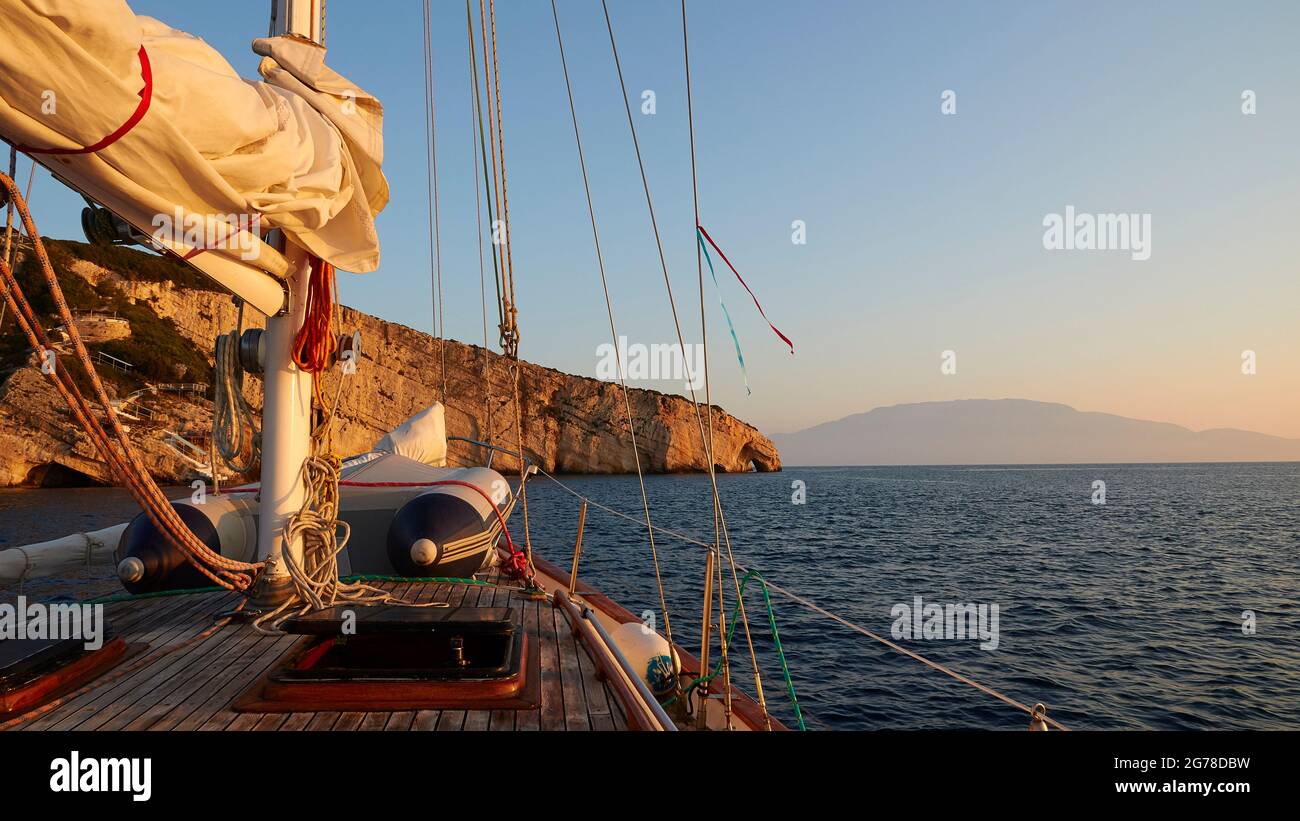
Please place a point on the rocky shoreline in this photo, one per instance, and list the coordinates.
(571, 424)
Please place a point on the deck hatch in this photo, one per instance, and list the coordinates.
(35, 671)
(390, 643)
(402, 658)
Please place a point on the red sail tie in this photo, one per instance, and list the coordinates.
(146, 96)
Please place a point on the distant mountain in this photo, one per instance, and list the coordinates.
(1016, 431)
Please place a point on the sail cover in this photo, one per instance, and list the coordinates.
(156, 125)
(423, 437)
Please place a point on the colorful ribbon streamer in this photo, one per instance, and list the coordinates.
(740, 357)
(705, 235)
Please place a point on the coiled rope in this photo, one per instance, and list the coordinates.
(314, 344)
(234, 426)
(316, 582)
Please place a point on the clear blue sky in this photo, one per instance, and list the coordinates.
(924, 231)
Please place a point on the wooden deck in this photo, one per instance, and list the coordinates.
(193, 688)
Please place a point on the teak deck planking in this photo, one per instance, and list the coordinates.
(194, 687)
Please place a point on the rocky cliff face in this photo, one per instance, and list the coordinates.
(569, 423)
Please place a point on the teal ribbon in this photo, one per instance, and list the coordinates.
(740, 357)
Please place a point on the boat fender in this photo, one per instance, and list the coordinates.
(423, 528)
(649, 653)
(147, 562)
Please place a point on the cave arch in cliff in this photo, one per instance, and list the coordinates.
(54, 474)
(756, 461)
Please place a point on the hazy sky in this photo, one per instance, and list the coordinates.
(924, 231)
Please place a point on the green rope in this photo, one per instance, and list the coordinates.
(776, 640)
(121, 597)
(377, 577)
(127, 597)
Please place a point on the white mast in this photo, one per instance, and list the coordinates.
(286, 408)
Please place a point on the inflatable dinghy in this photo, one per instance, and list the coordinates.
(409, 514)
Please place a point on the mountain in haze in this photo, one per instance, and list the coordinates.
(1017, 431)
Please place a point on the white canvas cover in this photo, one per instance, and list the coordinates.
(58, 555)
(423, 437)
(173, 124)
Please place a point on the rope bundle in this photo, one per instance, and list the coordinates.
(234, 429)
(314, 345)
(316, 582)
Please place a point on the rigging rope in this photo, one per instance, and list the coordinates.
(499, 224)
(510, 333)
(475, 140)
(431, 186)
(509, 313)
(609, 308)
(718, 520)
(9, 206)
(488, 184)
(119, 454)
(505, 310)
(663, 264)
(776, 641)
(234, 426)
(9, 217)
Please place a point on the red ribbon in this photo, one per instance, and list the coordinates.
(146, 95)
(784, 338)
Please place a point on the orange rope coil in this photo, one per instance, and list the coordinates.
(315, 344)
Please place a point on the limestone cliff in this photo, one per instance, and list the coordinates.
(571, 424)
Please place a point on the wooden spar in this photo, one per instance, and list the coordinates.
(577, 548)
(702, 717)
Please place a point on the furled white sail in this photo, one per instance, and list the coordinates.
(155, 124)
(59, 555)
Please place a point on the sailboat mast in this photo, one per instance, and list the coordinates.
(286, 408)
(301, 17)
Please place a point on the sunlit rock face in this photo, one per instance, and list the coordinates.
(571, 424)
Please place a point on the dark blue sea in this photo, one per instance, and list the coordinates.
(1123, 615)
